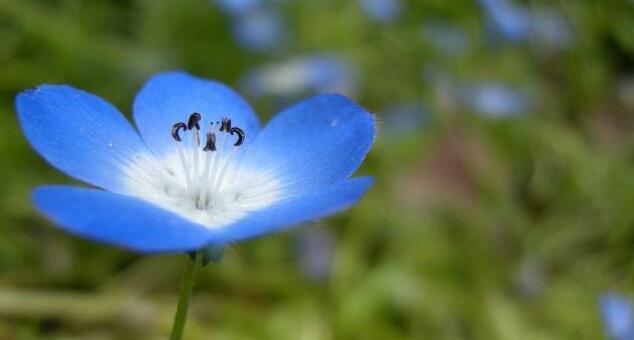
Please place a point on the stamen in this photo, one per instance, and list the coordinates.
(240, 133)
(193, 121)
(223, 169)
(210, 145)
(226, 125)
(176, 129)
(210, 148)
(193, 124)
(181, 156)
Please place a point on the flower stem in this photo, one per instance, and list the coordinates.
(193, 263)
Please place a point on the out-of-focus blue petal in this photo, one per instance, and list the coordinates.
(510, 20)
(315, 249)
(259, 30)
(238, 7)
(321, 140)
(305, 207)
(119, 220)
(171, 97)
(300, 76)
(79, 133)
(304, 75)
(551, 29)
(495, 100)
(382, 10)
(618, 316)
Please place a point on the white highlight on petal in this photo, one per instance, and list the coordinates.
(225, 190)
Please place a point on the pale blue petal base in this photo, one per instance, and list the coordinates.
(134, 224)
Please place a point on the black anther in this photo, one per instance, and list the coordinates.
(210, 145)
(176, 129)
(225, 125)
(193, 121)
(240, 135)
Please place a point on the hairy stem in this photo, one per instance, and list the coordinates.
(193, 263)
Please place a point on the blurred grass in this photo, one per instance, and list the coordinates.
(476, 228)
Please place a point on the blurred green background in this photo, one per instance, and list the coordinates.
(503, 204)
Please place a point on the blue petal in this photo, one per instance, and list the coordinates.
(294, 210)
(79, 133)
(168, 98)
(618, 316)
(319, 141)
(118, 220)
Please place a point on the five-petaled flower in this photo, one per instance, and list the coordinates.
(199, 171)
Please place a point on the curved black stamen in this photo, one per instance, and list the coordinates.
(240, 135)
(225, 125)
(193, 121)
(176, 129)
(210, 145)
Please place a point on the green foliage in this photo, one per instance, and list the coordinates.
(477, 228)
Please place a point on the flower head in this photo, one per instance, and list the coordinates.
(199, 171)
(618, 316)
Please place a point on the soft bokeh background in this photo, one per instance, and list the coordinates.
(504, 200)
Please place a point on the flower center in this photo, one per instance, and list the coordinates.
(205, 179)
(194, 177)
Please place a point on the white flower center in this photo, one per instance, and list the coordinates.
(206, 182)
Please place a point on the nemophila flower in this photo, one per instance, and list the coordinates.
(238, 7)
(494, 100)
(545, 25)
(308, 74)
(384, 11)
(199, 171)
(315, 249)
(259, 30)
(510, 20)
(618, 316)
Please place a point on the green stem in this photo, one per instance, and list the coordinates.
(193, 263)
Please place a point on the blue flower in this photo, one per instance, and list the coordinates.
(315, 249)
(384, 11)
(618, 316)
(259, 30)
(512, 21)
(316, 73)
(238, 7)
(494, 100)
(545, 25)
(199, 171)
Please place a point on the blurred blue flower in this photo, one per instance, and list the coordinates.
(618, 317)
(510, 20)
(199, 171)
(495, 100)
(259, 30)
(544, 25)
(384, 11)
(551, 29)
(302, 75)
(238, 7)
(315, 248)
